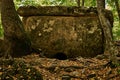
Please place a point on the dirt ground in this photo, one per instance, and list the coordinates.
(32, 67)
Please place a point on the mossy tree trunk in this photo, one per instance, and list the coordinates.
(16, 41)
(110, 48)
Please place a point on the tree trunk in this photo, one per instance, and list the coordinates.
(83, 3)
(110, 48)
(78, 3)
(16, 41)
(117, 8)
(0, 6)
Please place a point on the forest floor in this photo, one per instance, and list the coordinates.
(30, 67)
(33, 67)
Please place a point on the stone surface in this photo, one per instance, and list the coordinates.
(55, 11)
(74, 35)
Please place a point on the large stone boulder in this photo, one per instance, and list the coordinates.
(71, 31)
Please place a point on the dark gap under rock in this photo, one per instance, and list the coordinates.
(60, 56)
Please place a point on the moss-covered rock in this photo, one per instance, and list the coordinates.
(72, 31)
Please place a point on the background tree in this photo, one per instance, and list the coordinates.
(80, 3)
(16, 40)
(117, 8)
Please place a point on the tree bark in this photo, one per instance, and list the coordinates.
(83, 3)
(16, 40)
(110, 48)
(0, 6)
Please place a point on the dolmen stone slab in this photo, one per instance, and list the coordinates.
(72, 31)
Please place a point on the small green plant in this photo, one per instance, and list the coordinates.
(118, 71)
(118, 65)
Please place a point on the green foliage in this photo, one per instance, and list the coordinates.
(55, 2)
(1, 30)
(118, 65)
(19, 3)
